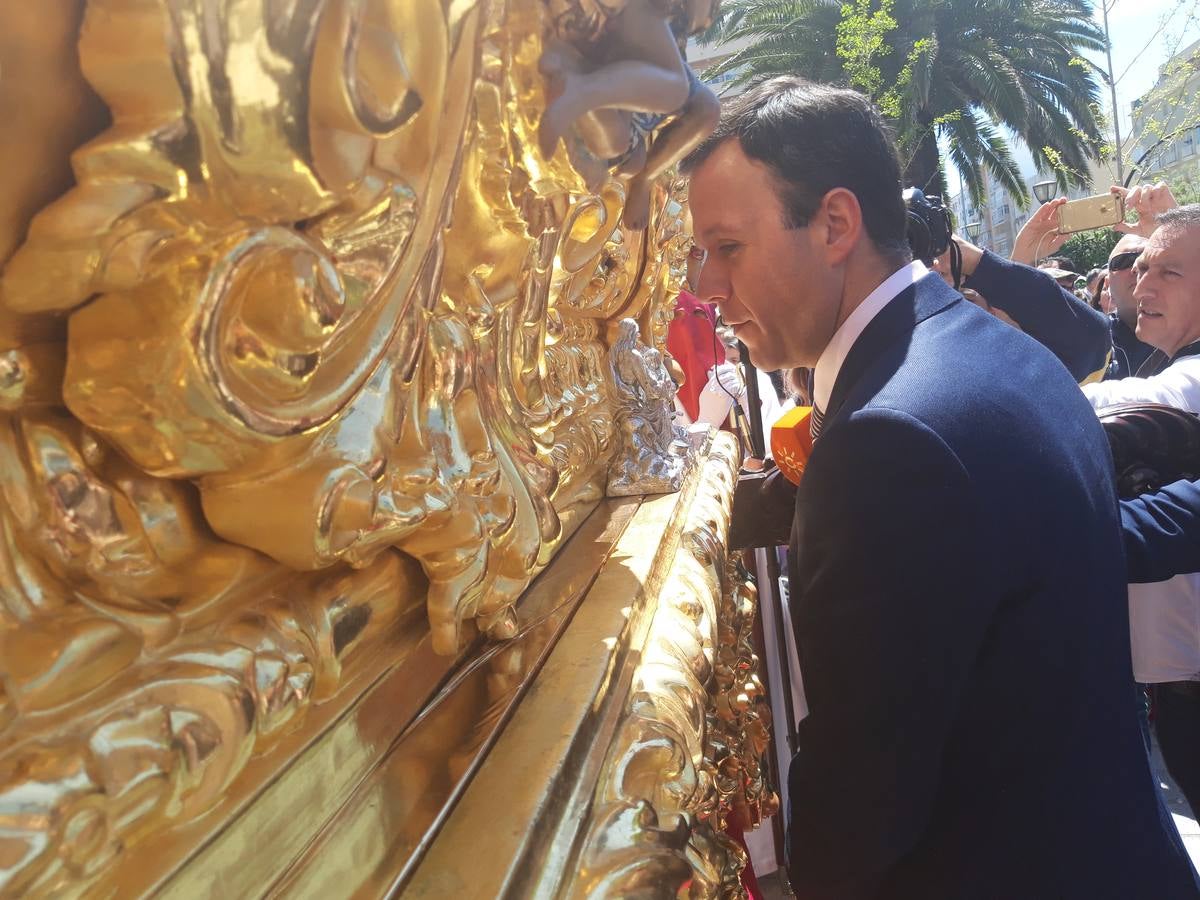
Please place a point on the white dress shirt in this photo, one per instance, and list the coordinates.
(1164, 618)
(830, 363)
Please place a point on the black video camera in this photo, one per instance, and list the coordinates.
(929, 225)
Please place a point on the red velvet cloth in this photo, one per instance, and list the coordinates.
(749, 880)
(692, 341)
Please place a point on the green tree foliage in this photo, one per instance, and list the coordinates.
(942, 69)
(1089, 249)
(1185, 188)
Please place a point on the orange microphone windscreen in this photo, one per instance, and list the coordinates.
(791, 442)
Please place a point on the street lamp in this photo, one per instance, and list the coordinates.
(1045, 191)
(973, 230)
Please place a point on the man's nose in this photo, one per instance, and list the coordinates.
(1143, 287)
(713, 286)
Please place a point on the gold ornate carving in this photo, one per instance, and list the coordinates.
(315, 338)
(688, 750)
(639, 740)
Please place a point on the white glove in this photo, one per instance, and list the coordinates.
(715, 403)
(726, 379)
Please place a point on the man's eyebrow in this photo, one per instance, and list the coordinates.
(716, 228)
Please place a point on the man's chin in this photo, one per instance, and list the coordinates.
(768, 359)
(759, 359)
(1146, 332)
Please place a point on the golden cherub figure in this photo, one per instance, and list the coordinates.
(616, 75)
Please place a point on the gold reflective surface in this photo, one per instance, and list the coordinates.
(304, 380)
(638, 738)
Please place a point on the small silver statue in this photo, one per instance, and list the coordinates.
(652, 452)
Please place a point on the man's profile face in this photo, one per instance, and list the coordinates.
(1168, 288)
(1121, 281)
(769, 281)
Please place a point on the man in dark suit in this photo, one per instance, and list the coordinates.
(957, 574)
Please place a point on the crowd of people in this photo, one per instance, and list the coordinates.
(976, 615)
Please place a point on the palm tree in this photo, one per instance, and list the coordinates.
(954, 70)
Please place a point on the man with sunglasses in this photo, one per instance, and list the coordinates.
(1128, 352)
(1040, 235)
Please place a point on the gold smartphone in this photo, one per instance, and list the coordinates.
(1101, 211)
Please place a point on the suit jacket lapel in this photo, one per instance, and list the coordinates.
(900, 316)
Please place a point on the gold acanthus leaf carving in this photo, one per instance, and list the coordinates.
(666, 790)
(264, 227)
(314, 308)
(165, 742)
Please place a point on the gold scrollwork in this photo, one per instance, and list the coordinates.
(315, 338)
(688, 750)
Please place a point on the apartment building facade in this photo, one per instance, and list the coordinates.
(1166, 122)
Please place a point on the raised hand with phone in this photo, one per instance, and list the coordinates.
(1040, 235)
(1147, 201)
(1053, 223)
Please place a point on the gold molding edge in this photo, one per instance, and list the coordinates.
(622, 724)
(657, 824)
(396, 810)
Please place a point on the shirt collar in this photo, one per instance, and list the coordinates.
(830, 363)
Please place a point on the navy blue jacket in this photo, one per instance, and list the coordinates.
(1074, 332)
(1162, 533)
(1128, 352)
(959, 604)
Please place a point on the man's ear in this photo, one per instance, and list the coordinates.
(843, 224)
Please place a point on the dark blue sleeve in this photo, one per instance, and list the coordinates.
(1162, 533)
(1070, 329)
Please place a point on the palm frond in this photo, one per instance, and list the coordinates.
(961, 67)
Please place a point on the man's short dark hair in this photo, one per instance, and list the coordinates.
(816, 138)
(1186, 216)
(1060, 262)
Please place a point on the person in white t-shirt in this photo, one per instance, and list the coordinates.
(1164, 618)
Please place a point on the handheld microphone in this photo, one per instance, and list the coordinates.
(757, 438)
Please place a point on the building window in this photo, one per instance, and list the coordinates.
(1187, 144)
(721, 79)
(1170, 155)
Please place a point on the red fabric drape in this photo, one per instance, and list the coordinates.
(691, 339)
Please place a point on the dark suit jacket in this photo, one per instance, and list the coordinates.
(959, 604)
(1128, 352)
(1162, 533)
(1074, 332)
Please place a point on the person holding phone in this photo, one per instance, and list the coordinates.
(1041, 235)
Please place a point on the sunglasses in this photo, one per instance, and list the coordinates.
(1123, 261)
